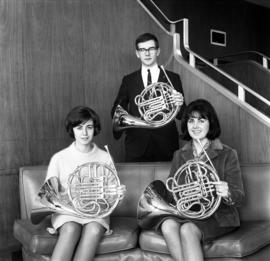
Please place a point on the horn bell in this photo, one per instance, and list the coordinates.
(123, 120)
(153, 205)
(51, 202)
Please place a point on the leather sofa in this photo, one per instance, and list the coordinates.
(250, 242)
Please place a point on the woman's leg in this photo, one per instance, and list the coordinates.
(90, 238)
(171, 232)
(69, 235)
(191, 242)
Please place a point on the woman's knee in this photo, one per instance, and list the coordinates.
(94, 228)
(189, 230)
(170, 226)
(71, 228)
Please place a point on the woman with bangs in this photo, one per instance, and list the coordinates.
(78, 237)
(201, 129)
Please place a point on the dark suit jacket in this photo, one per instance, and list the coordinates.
(138, 139)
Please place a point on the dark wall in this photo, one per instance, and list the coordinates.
(264, 31)
(247, 25)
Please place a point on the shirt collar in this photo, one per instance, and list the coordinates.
(212, 150)
(154, 69)
(72, 145)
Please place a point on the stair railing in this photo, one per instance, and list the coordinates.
(264, 60)
(242, 88)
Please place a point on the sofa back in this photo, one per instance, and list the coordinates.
(256, 179)
(136, 177)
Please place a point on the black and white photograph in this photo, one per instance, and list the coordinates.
(135, 130)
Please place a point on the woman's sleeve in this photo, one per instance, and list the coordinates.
(232, 175)
(52, 170)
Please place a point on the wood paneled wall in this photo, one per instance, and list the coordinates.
(57, 54)
(240, 130)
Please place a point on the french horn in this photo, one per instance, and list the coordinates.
(192, 188)
(93, 190)
(156, 105)
(194, 191)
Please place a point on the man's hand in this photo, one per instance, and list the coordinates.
(177, 98)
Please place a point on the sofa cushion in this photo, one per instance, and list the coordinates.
(249, 238)
(134, 254)
(36, 239)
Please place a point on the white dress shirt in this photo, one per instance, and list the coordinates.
(154, 74)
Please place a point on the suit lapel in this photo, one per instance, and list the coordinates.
(162, 77)
(139, 81)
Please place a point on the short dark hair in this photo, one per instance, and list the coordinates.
(206, 111)
(146, 37)
(79, 115)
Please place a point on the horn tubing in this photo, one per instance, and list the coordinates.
(207, 155)
(167, 77)
(161, 108)
(84, 199)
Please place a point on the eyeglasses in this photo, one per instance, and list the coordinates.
(150, 50)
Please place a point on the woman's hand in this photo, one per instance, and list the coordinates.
(222, 189)
(122, 190)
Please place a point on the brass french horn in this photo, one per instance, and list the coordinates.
(156, 106)
(192, 188)
(93, 190)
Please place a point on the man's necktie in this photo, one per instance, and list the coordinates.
(149, 78)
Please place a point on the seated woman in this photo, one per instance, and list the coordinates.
(200, 127)
(78, 236)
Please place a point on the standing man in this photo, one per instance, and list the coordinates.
(143, 144)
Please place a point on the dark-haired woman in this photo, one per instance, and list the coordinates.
(200, 127)
(78, 237)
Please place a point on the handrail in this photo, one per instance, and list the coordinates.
(192, 55)
(170, 22)
(264, 58)
(166, 18)
(154, 18)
